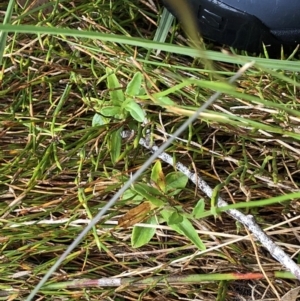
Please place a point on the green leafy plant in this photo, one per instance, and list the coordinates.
(122, 104)
(160, 194)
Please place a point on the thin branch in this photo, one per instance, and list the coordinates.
(156, 280)
(161, 280)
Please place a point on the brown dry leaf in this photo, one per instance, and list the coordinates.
(30, 4)
(135, 215)
(291, 295)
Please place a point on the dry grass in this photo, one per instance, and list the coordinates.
(56, 169)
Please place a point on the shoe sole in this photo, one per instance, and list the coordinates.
(226, 25)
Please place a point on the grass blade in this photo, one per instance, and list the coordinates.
(3, 34)
(163, 27)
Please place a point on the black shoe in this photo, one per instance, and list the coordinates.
(248, 24)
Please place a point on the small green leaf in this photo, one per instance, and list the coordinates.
(131, 194)
(157, 176)
(135, 110)
(142, 91)
(110, 111)
(134, 86)
(115, 145)
(141, 236)
(184, 228)
(199, 208)
(214, 199)
(175, 218)
(150, 193)
(175, 182)
(138, 115)
(99, 120)
(115, 91)
(165, 101)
